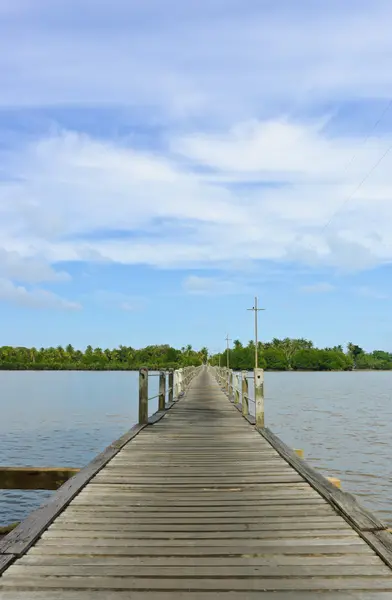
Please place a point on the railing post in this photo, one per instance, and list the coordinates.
(236, 390)
(171, 386)
(244, 391)
(180, 382)
(162, 391)
(259, 397)
(143, 395)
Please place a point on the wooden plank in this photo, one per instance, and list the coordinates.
(108, 561)
(19, 594)
(253, 508)
(216, 572)
(35, 478)
(201, 520)
(249, 514)
(201, 584)
(170, 537)
(242, 499)
(236, 550)
(110, 525)
(53, 539)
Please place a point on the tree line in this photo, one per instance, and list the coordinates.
(98, 359)
(301, 355)
(278, 355)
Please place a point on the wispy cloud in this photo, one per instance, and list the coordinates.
(119, 301)
(28, 269)
(103, 186)
(321, 287)
(369, 292)
(194, 284)
(34, 298)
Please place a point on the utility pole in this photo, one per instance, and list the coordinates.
(227, 350)
(258, 376)
(256, 310)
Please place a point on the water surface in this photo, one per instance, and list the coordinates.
(343, 421)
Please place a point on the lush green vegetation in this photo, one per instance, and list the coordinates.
(97, 359)
(301, 355)
(278, 355)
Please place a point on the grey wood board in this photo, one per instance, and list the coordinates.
(248, 508)
(254, 526)
(119, 532)
(249, 514)
(207, 550)
(149, 571)
(274, 560)
(12, 594)
(201, 584)
(49, 539)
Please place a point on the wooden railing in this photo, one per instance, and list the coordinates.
(172, 385)
(236, 385)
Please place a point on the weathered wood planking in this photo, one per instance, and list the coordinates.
(201, 506)
(22, 537)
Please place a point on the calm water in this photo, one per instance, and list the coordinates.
(343, 421)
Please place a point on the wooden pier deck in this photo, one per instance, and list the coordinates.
(200, 505)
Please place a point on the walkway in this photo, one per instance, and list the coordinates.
(199, 506)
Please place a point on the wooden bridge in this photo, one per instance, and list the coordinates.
(198, 503)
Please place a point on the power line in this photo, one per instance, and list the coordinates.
(345, 202)
(374, 167)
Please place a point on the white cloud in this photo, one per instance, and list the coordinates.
(30, 269)
(206, 286)
(320, 287)
(69, 190)
(34, 298)
(206, 57)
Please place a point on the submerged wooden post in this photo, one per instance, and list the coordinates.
(259, 397)
(171, 385)
(34, 478)
(143, 395)
(162, 391)
(244, 393)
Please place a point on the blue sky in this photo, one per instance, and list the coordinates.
(161, 163)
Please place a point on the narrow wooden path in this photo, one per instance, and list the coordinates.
(199, 506)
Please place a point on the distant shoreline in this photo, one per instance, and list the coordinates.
(136, 370)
